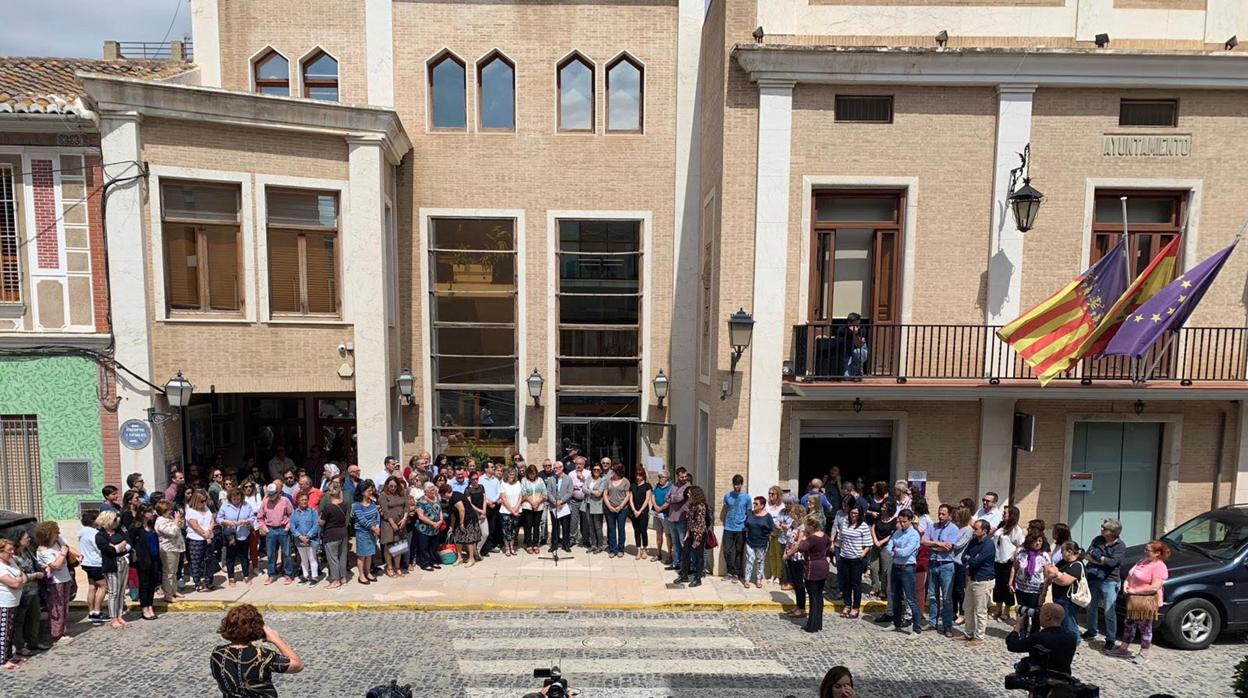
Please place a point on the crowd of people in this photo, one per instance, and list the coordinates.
(947, 574)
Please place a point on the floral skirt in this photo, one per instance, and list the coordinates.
(510, 524)
(470, 533)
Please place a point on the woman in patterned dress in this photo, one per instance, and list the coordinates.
(367, 527)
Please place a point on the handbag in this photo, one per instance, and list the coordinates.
(1080, 593)
(1142, 606)
(711, 541)
(398, 548)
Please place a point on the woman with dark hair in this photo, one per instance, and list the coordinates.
(393, 505)
(145, 543)
(367, 527)
(1143, 588)
(335, 516)
(961, 518)
(758, 528)
(441, 463)
(1027, 579)
(1061, 534)
(12, 580)
(428, 513)
(1008, 536)
(467, 527)
(639, 511)
(1062, 576)
(238, 521)
(814, 548)
(837, 683)
(510, 511)
(852, 540)
(532, 494)
(242, 669)
(26, 636)
(880, 560)
(618, 498)
(698, 517)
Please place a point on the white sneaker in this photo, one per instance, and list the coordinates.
(912, 636)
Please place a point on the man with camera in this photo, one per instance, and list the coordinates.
(1054, 641)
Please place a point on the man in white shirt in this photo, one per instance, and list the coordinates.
(989, 511)
(279, 463)
(390, 467)
(493, 486)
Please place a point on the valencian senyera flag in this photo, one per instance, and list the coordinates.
(1167, 310)
(1146, 285)
(1050, 336)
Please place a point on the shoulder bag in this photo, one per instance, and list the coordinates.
(1080, 593)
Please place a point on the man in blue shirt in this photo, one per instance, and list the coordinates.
(736, 506)
(939, 540)
(660, 510)
(904, 546)
(459, 483)
(978, 561)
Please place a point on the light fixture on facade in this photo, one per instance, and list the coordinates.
(1025, 200)
(407, 384)
(1102, 40)
(942, 38)
(740, 331)
(535, 382)
(758, 34)
(178, 393)
(857, 404)
(1138, 407)
(1232, 42)
(786, 367)
(661, 384)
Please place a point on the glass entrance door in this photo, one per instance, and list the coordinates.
(1123, 459)
(601, 438)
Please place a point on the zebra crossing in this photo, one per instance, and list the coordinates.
(616, 656)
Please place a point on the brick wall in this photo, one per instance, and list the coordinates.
(108, 428)
(47, 244)
(99, 253)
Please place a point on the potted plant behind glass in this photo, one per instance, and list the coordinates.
(476, 266)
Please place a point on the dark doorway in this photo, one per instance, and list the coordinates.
(597, 439)
(869, 458)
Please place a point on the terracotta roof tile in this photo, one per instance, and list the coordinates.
(49, 86)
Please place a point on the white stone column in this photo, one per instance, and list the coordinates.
(1005, 254)
(379, 52)
(996, 440)
(366, 280)
(771, 231)
(130, 291)
(206, 33)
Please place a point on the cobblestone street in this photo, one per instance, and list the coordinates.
(616, 654)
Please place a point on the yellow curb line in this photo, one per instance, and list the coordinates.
(391, 606)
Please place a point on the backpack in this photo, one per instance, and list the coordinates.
(1080, 593)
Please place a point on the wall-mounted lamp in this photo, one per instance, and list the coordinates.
(1138, 407)
(661, 384)
(1102, 40)
(407, 383)
(1025, 200)
(535, 382)
(740, 331)
(1232, 42)
(942, 38)
(178, 393)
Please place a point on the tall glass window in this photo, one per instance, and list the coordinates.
(576, 94)
(320, 77)
(624, 95)
(272, 74)
(472, 263)
(600, 309)
(447, 93)
(496, 77)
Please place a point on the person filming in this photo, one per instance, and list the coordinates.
(1052, 637)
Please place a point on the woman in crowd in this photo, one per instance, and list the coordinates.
(922, 522)
(172, 545)
(145, 543)
(92, 565)
(903, 496)
(367, 527)
(880, 562)
(1061, 534)
(393, 504)
(1039, 526)
(1143, 588)
(1104, 558)
(698, 517)
(1062, 577)
(12, 580)
(26, 635)
(305, 532)
(243, 669)
(199, 532)
(216, 487)
(114, 551)
(962, 518)
(237, 520)
(852, 542)
(476, 499)
(775, 552)
(640, 504)
(1027, 580)
(428, 516)
(335, 515)
(758, 528)
(597, 491)
(533, 494)
(467, 529)
(1008, 536)
(253, 498)
(511, 510)
(814, 548)
(794, 564)
(837, 683)
(619, 492)
(130, 504)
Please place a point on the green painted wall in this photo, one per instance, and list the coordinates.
(62, 392)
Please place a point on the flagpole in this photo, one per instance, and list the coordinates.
(1160, 355)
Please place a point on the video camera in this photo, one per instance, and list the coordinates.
(1034, 676)
(556, 686)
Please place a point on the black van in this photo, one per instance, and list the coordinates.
(1207, 592)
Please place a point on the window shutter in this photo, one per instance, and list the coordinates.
(298, 209)
(322, 273)
(182, 265)
(885, 294)
(199, 203)
(284, 272)
(222, 245)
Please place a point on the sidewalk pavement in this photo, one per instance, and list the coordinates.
(505, 583)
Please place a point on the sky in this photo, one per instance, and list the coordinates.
(79, 28)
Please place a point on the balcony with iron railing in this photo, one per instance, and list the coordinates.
(974, 354)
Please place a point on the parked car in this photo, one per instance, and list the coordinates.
(10, 520)
(1207, 592)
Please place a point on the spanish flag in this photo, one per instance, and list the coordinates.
(1150, 281)
(1051, 335)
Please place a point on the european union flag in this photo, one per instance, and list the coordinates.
(1167, 310)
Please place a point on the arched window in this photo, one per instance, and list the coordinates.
(446, 92)
(624, 95)
(320, 77)
(576, 94)
(272, 74)
(496, 90)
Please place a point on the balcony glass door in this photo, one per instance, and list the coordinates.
(1123, 459)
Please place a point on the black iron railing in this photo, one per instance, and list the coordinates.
(157, 50)
(824, 351)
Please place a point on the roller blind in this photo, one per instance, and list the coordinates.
(302, 209)
(222, 246)
(199, 203)
(182, 265)
(284, 272)
(322, 280)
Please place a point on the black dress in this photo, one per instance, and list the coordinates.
(247, 672)
(467, 530)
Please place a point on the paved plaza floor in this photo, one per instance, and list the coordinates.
(612, 654)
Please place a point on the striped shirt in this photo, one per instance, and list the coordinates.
(852, 539)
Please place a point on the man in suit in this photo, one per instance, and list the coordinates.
(559, 494)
